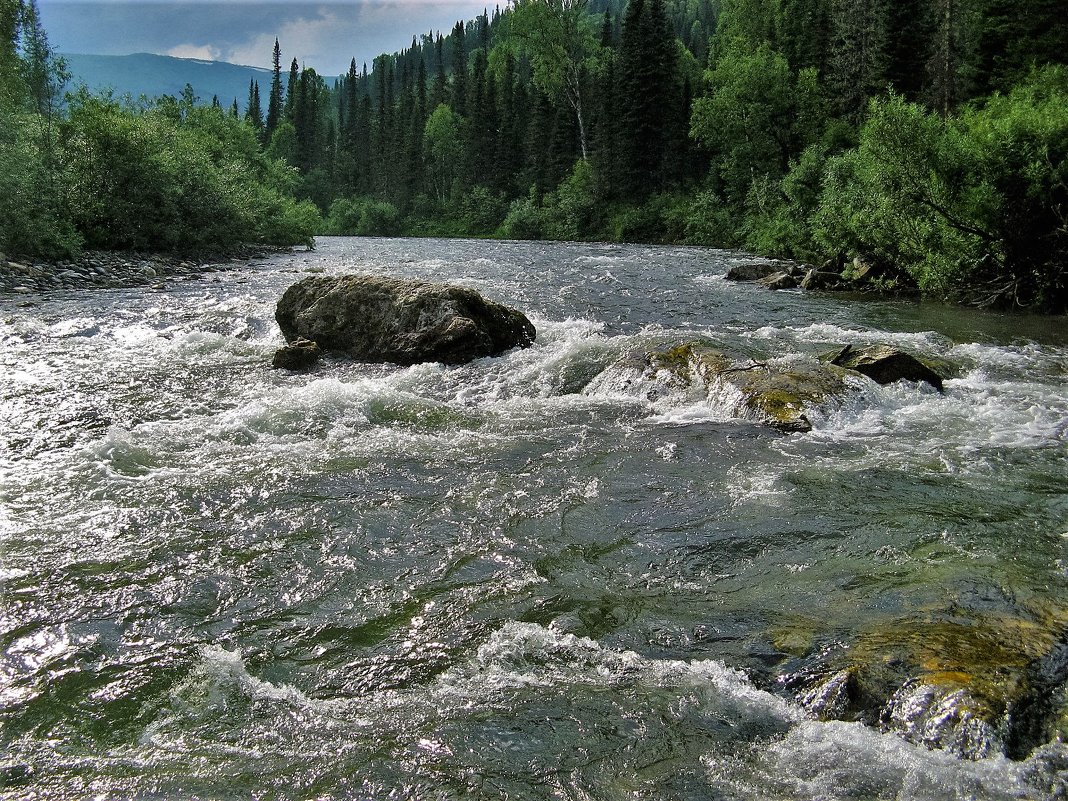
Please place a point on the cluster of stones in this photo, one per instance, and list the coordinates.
(839, 275)
(771, 394)
(100, 270)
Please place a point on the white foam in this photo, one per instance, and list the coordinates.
(224, 664)
(521, 655)
(831, 334)
(836, 760)
(75, 327)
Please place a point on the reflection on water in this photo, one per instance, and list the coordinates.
(507, 579)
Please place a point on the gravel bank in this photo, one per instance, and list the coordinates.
(103, 270)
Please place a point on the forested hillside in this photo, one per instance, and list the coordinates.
(927, 135)
(164, 176)
(154, 75)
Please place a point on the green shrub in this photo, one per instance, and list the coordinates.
(482, 211)
(172, 177)
(973, 207)
(711, 221)
(524, 219)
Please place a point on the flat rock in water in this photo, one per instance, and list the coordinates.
(381, 319)
(775, 395)
(884, 365)
(752, 272)
(818, 279)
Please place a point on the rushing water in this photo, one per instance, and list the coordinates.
(508, 579)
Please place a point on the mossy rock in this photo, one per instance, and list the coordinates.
(780, 397)
(767, 393)
(998, 682)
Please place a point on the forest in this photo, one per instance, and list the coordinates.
(929, 136)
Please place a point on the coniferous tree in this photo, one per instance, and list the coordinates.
(859, 56)
(459, 70)
(439, 94)
(1016, 35)
(952, 57)
(511, 101)
(43, 72)
(253, 112)
(802, 33)
(292, 86)
(648, 99)
(274, 104)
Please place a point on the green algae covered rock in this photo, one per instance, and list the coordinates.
(995, 683)
(774, 394)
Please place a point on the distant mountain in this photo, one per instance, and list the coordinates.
(152, 75)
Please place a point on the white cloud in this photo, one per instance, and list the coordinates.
(310, 40)
(205, 52)
(327, 36)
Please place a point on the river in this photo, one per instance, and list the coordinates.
(508, 579)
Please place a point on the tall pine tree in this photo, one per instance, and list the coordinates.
(274, 103)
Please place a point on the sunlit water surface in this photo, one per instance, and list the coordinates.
(499, 580)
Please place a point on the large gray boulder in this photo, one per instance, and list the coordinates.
(380, 319)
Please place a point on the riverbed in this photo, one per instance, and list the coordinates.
(511, 579)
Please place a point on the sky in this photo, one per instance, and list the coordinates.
(325, 36)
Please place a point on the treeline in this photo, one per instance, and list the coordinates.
(168, 175)
(926, 135)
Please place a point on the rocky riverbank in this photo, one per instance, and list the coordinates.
(106, 270)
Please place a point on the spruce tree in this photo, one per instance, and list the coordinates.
(459, 70)
(909, 26)
(802, 32)
(274, 104)
(291, 90)
(439, 94)
(859, 54)
(953, 54)
(253, 112)
(648, 97)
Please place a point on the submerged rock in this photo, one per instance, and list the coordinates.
(997, 683)
(300, 354)
(770, 393)
(884, 365)
(945, 717)
(380, 319)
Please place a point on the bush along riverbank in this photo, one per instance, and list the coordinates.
(80, 172)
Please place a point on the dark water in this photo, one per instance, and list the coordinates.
(511, 579)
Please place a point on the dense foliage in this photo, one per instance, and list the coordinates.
(162, 176)
(925, 134)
